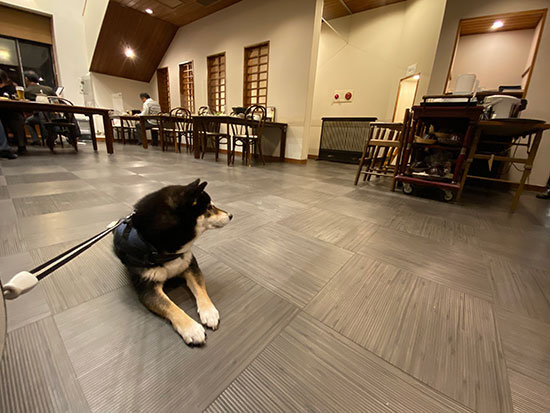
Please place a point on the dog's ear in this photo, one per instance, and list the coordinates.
(201, 187)
(194, 184)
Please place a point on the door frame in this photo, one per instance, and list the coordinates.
(399, 90)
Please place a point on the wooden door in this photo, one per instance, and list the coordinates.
(163, 84)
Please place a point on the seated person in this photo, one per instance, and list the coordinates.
(150, 107)
(35, 88)
(12, 120)
(5, 150)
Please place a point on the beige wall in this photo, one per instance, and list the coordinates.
(539, 88)
(105, 85)
(289, 27)
(496, 58)
(370, 54)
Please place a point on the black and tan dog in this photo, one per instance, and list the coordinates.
(155, 245)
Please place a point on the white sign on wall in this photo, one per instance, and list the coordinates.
(411, 69)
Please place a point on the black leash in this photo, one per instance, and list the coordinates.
(26, 280)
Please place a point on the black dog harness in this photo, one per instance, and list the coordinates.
(134, 251)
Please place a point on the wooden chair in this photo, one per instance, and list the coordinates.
(211, 135)
(126, 131)
(249, 136)
(59, 124)
(382, 151)
(185, 128)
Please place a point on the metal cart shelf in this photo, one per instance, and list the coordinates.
(463, 119)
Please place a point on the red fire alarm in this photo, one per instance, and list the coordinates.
(348, 96)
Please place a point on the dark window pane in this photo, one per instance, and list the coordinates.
(38, 57)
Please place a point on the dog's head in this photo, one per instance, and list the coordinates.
(175, 215)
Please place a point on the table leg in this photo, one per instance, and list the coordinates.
(122, 133)
(471, 154)
(108, 127)
(92, 131)
(161, 134)
(465, 146)
(527, 169)
(282, 152)
(143, 133)
(196, 143)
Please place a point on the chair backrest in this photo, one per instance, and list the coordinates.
(60, 100)
(259, 114)
(182, 112)
(53, 115)
(204, 110)
(385, 131)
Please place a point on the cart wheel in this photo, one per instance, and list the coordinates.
(447, 195)
(408, 189)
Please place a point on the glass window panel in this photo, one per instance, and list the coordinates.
(263, 76)
(263, 68)
(38, 57)
(9, 61)
(263, 59)
(8, 52)
(263, 84)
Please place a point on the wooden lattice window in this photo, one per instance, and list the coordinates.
(163, 85)
(216, 82)
(256, 67)
(187, 86)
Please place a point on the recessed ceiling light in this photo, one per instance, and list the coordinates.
(129, 52)
(148, 11)
(497, 25)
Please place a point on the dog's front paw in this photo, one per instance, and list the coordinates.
(210, 316)
(192, 333)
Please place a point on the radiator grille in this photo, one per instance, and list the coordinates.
(342, 139)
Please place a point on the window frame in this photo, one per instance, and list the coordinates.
(51, 48)
(187, 89)
(216, 101)
(248, 84)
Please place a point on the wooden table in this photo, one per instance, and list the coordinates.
(492, 132)
(29, 106)
(228, 120)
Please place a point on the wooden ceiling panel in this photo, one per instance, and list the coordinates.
(179, 12)
(357, 6)
(512, 21)
(124, 27)
(333, 9)
(339, 8)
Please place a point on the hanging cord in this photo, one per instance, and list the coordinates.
(26, 280)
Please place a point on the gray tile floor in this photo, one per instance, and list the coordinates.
(332, 297)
